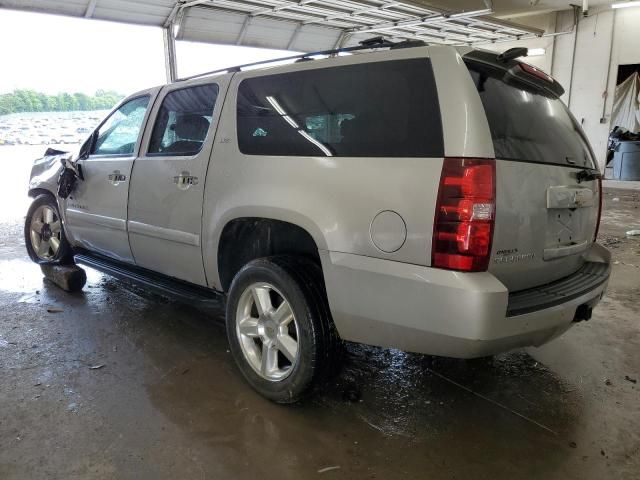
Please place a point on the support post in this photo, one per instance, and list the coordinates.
(170, 53)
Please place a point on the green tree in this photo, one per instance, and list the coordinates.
(32, 101)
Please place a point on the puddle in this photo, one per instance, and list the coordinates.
(19, 276)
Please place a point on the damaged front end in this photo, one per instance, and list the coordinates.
(46, 171)
(57, 172)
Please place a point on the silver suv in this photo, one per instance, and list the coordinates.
(432, 199)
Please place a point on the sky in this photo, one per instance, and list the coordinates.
(53, 54)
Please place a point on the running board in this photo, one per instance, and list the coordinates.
(158, 283)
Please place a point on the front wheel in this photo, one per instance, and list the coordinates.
(44, 233)
(279, 327)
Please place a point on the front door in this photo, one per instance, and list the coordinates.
(96, 211)
(167, 182)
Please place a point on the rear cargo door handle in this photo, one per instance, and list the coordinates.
(116, 177)
(185, 180)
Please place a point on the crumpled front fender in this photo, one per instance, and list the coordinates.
(45, 172)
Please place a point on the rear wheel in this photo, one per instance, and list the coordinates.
(44, 233)
(279, 327)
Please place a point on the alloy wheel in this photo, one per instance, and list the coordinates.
(45, 232)
(267, 331)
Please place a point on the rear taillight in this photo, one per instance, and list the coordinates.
(600, 195)
(465, 211)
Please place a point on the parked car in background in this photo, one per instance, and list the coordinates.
(431, 199)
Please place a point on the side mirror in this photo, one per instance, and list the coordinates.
(87, 146)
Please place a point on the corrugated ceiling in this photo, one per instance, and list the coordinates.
(302, 25)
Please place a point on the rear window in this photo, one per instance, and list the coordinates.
(183, 121)
(529, 123)
(382, 109)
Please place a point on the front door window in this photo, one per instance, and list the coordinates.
(118, 135)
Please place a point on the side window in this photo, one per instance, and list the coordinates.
(381, 109)
(119, 133)
(183, 121)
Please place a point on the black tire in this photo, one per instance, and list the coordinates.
(300, 282)
(63, 254)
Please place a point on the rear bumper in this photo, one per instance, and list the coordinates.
(440, 312)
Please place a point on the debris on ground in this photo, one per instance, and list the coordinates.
(29, 298)
(610, 241)
(55, 310)
(96, 367)
(573, 444)
(629, 379)
(615, 199)
(629, 265)
(328, 469)
(607, 382)
(633, 233)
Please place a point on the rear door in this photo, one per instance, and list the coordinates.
(96, 211)
(167, 186)
(547, 197)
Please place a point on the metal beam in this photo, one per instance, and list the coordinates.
(294, 35)
(342, 40)
(88, 13)
(284, 6)
(421, 21)
(243, 29)
(172, 15)
(170, 54)
(399, 19)
(355, 13)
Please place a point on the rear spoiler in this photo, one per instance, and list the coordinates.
(516, 70)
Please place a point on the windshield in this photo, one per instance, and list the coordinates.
(529, 123)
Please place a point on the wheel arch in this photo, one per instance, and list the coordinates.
(34, 192)
(247, 237)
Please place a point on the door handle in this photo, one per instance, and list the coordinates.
(185, 180)
(116, 177)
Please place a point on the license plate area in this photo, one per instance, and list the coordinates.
(565, 197)
(568, 221)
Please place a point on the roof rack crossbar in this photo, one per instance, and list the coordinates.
(369, 44)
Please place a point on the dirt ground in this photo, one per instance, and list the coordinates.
(168, 402)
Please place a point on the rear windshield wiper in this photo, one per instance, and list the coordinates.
(588, 175)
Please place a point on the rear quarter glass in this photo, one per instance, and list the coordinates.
(374, 109)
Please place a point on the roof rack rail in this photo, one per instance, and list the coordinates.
(368, 44)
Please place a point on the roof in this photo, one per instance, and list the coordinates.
(301, 25)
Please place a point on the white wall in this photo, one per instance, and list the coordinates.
(587, 85)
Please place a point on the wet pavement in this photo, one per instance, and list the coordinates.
(115, 382)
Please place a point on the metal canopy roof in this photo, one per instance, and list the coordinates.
(299, 25)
